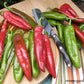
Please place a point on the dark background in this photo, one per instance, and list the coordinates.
(9, 2)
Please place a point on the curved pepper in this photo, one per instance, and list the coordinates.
(38, 46)
(55, 15)
(34, 64)
(22, 55)
(71, 45)
(50, 59)
(16, 20)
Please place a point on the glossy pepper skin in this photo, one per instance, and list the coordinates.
(82, 27)
(79, 33)
(6, 51)
(2, 76)
(3, 36)
(71, 45)
(22, 55)
(66, 8)
(34, 64)
(17, 70)
(22, 15)
(16, 20)
(38, 46)
(55, 15)
(49, 60)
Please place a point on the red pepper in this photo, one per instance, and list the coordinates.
(22, 55)
(50, 60)
(66, 8)
(2, 37)
(16, 20)
(79, 33)
(38, 46)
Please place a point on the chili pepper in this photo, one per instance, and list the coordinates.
(79, 43)
(2, 76)
(38, 46)
(6, 51)
(82, 27)
(79, 33)
(22, 15)
(66, 8)
(17, 70)
(16, 20)
(71, 45)
(22, 55)
(3, 36)
(53, 22)
(34, 64)
(50, 60)
(55, 15)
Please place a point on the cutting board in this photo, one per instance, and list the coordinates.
(27, 6)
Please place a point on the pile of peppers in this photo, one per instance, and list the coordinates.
(28, 55)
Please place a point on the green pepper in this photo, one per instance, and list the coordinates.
(2, 76)
(61, 32)
(34, 64)
(54, 22)
(55, 15)
(79, 43)
(60, 28)
(17, 70)
(82, 27)
(71, 45)
(6, 51)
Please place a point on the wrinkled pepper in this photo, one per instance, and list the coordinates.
(16, 20)
(6, 51)
(22, 55)
(82, 27)
(34, 64)
(22, 15)
(38, 46)
(50, 59)
(71, 45)
(3, 36)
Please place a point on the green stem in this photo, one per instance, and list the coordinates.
(7, 6)
(40, 21)
(49, 8)
(70, 22)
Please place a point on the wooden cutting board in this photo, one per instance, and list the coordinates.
(27, 6)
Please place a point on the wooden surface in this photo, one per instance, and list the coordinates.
(27, 6)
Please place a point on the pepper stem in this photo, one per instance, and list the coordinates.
(49, 8)
(40, 21)
(5, 5)
(70, 22)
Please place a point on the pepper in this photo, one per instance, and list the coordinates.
(66, 8)
(17, 70)
(71, 45)
(16, 20)
(3, 36)
(82, 27)
(22, 15)
(49, 60)
(60, 28)
(79, 43)
(22, 55)
(79, 33)
(6, 51)
(2, 76)
(38, 46)
(55, 15)
(34, 64)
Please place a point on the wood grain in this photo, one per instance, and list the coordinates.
(27, 6)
